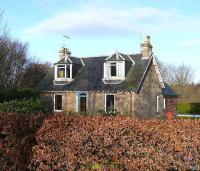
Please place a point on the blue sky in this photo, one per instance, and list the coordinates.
(100, 27)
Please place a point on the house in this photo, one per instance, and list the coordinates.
(128, 83)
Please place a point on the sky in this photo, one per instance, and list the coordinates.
(101, 27)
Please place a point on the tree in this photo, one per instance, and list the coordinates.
(13, 59)
(177, 75)
(34, 73)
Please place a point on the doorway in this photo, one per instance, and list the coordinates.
(82, 102)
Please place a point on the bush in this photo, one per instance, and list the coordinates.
(22, 106)
(18, 94)
(116, 143)
(17, 138)
(193, 108)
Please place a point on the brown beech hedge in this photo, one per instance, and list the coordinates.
(116, 143)
(17, 136)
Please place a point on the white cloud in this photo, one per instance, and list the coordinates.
(94, 20)
(193, 42)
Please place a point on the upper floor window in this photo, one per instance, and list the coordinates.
(114, 70)
(63, 72)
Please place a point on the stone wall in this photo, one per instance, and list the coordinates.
(146, 100)
(96, 101)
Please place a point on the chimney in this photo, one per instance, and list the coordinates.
(63, 52)
(146, 48)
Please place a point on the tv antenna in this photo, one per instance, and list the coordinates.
(64, 38)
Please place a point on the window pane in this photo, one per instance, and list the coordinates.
(68, 71)
(110, 102)
(58, 102)
(60, 72)
(113, 69)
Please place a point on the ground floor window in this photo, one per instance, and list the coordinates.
(57, 102)
(110, 102)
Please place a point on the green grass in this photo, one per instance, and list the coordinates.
(189, 108)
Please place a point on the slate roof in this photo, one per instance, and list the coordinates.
(89, 77)
(72, 60)
(168, 91)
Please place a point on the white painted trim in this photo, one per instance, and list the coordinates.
(118, 68)
(144, 73)
(157, 104)
(54, 100)
(67, 57)
(117, 53)
(111, 79)
(158, 72)
(106, 99)
(164, 103)
(65, 78)
(70, 71)
(82, 62)
(131, 60)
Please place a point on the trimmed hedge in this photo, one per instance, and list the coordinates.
(17, 136)
(116, 143)
(193, 108)
(17, 94)
(31, 105)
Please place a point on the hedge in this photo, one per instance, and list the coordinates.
(30, 105)
(193, 108)
(17, 94)
(116, 143)
(17, 136)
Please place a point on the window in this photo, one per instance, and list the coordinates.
(110, 102)
(164, 103)
(61, 71)
(58, 102)
(64, 71)
(157, 104)
(113, 69)
(68, 71)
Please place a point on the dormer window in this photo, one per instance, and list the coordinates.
(113, 69)
(63, 73)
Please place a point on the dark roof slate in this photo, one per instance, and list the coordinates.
(69, 60)
(89, 77)
(168, 91)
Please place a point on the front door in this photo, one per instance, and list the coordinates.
(82, 102)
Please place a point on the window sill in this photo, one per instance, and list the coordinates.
(57, 110)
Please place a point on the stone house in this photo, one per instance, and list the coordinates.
(127, 83)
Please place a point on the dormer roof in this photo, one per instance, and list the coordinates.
(70, 60)
(119, 57)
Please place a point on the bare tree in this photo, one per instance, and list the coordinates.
(177, 75)
(13, 58)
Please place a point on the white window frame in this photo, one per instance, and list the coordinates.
(157, 103)
(107, 70)
(164, 103)
(54, 103)
(106, 101)
(65, 78)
